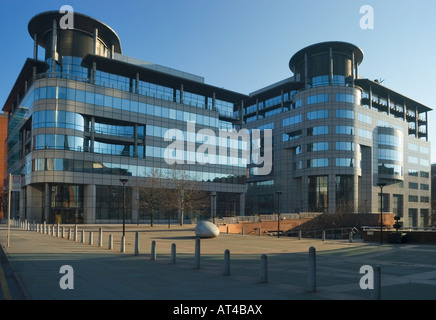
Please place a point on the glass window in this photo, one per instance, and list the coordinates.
(317, 146)
(413, 185)
(390, 168)
(319, 98)
(345, 146)
(315, 131)
(345, 130)
(292, 120)
(390, 154)
(317, 163)
(364, 118)
(364, 133)
(345, 162)
(319, 114)
(292, 135)
(318, 193)
(348, 114)
(413, 198)
(342, 97)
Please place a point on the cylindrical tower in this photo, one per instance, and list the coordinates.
(327, 63)
(84, 36)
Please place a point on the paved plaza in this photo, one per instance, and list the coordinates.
(35, 259)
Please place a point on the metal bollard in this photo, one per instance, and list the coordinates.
(311, 270)
(264, 268)
(100, 237)
(242, 232)
(377, 283)
(111, 242)
(323, 235)
(123, 244)
(153, 250)
(299, 235)
(260, 231)
(137, 244)
(226, 262)
(173, 253)
(197, 253)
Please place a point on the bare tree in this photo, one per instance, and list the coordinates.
(151, 197)
(188, 197)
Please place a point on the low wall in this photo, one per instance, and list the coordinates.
(252, 228)
(411, 236)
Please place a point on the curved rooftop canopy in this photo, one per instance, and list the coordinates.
(337, 46)
(43, 22)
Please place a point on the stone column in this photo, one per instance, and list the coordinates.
(330, 66)
(242, 204)
(35, 46)
(47, 202)
(54, 46)
(89, 202)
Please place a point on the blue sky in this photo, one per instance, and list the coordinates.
(244, 45)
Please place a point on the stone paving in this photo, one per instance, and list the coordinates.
(408, 271)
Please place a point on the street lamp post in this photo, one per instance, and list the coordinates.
(278, 215)
(381, 185)
(123, 181)
(213, 206)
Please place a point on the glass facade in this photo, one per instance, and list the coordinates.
(318, 193)
(91, 120)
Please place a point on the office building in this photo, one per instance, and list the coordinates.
(337, 138)
(85, 116)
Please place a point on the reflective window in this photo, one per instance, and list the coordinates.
(345, 130)
(292, 120)
(317, 163)
(320, 81)
(69, 165)
(319, 114)
(318, 193)
(364, 133)
(57, 119)
(345, 146)
(424, 150)
(390, 168)
(317, 146)
(364, 118)
(58, 141)
(348, 114)
(319, 98)
(315, 131)
(390, 140)
(345, 162)
(413, 160)
(122, 104)
(342, 97)
(292, 135)
(413, 172)
(389, 154)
